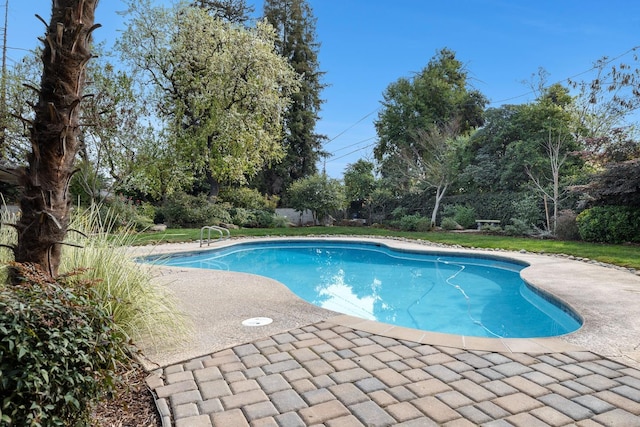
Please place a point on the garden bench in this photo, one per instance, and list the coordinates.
(482, 222)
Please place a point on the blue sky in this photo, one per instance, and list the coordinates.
(368, 44)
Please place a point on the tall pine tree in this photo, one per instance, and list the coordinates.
(295, 24)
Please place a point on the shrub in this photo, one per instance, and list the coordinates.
(59, 350)
(465, 216)
(517, 228)
(187, 211)
(414, 223)
(609, 224)
(566, 226)
(248, 198)
(449, 223)
(130, 214)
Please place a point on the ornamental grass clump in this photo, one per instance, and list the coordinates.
(144, 309)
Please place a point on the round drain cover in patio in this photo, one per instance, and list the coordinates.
(257, 321)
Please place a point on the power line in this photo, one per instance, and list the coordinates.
(352, 126)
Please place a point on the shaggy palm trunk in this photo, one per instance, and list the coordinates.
(45, 202)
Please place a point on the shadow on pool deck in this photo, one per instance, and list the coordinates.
(218, 301)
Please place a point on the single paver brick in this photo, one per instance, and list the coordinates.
(499, 388)
(566, 406)
(618, 417)
(296, 374)
(474, 360)
(168, 390)
(512, 369)
(598, 406)
(318, 367)
(390, 377)
(283, 338)
(207, 374)
(436, 410)
(349, 375)
(428, 387)
(272, 383)
(403, 351)
(210, 406)
(186, 410)
(348, 421)
(259, 410)
(403, 411)
(382, 398)
(628, 392)
(303, 355)
(551, 416)
(242, 386)
(577, 387)
(289, 419)
(185, 397)
(562, 390)
(340, 343)
(173, 369)
(265, 422)
(454, 399)
(516, 403)
(245, 350)
(619, 401)
(597, 382)
(322, 412)
(387, 356)
(314, 397)
(369, 385)
(177, 377)
(234, 418)
(371, 414)
(243, 399)
(601, 369)
(490, 373)
(214, 389)
(348, 393)
(254, 361)
(416, 375)
(197, 421)
(287, 401)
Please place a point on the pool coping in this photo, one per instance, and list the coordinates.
(597, 293)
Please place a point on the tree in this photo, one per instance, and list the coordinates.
(432, 163)
(359, 183)
(295, 25)
(221, 89)
(435, 96)
(236, 11)
(618, 185)
(317, 193)
(45, 203)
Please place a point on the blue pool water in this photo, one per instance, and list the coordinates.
(464, 295)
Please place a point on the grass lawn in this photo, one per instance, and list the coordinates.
(623, 255)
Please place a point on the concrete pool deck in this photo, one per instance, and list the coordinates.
(316, 367)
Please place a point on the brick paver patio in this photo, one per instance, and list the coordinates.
(326, 374)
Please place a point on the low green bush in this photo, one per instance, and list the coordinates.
(449, 223)
(414, 223)
(566, 226)
(609, 224)
(463, 215)
(186, 211)
(518, 227)
(248, 198)
(130, 213)
(59, 350)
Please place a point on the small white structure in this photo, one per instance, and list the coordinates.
(295, 217)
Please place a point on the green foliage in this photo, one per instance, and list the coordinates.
(566, 226)
(248, 198)
(448, 223)
(129, 213)
(518, 227)
(59, 348)
(319, 194)
(414, 223)
(184, 210)
(463, 215)
(609, 224)
(142, 308)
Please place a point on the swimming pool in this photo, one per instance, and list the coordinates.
(456, 294)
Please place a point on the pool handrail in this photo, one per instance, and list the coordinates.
(224, 233)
